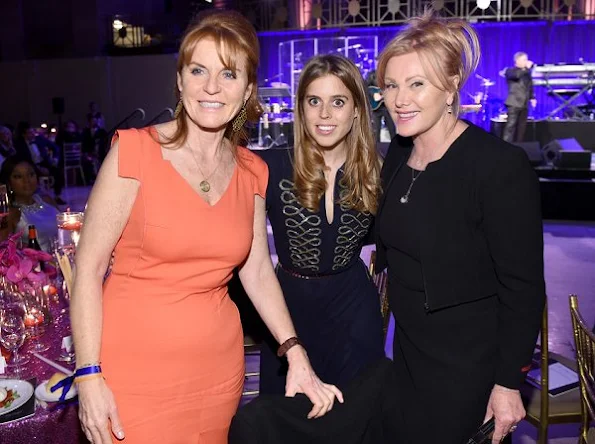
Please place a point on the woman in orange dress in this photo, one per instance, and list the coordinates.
(183, 206)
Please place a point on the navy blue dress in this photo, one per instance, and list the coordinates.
(333, 304)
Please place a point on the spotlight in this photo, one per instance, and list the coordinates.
(117, 24)
(53, 130)
(44, 125)
(483, 4)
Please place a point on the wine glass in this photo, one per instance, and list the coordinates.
(34, 321)
(12, 304)
(4, 202)
(12, 337)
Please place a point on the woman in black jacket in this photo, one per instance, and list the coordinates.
(459, 227)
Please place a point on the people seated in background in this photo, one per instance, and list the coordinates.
(6, 143)
(29, 207)
(94, 140)
(94, 110)
(42, 153)
(69, 133)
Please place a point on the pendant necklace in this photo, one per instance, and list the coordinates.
(405, 198)
(204, 185)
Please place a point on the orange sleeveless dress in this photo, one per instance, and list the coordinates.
(172, 342)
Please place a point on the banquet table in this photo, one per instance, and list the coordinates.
(52, 423)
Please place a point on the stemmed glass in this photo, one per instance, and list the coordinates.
(12, 337)
(4, 202)
(12, 304)
(34, 320)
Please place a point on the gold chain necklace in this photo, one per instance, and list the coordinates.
(204, 185)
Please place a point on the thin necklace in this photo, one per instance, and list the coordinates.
(204, 185)
(405, 198)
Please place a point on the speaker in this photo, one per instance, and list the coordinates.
(533, 152)
(58, 105)
(567, 153)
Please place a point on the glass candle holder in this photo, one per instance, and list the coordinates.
(69, 229)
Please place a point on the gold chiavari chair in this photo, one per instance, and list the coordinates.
(542, 409)
(251, 348)
(584, 341)
(381, 282)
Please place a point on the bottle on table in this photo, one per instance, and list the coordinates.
(34, 243)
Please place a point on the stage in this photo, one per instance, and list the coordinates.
(545, 131)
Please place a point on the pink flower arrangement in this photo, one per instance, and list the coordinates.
(21, 267)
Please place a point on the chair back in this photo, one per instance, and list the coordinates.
(72, 155)
(381, 282)
(584, 341)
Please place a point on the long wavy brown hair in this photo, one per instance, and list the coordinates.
(361, 175)
(235, 37)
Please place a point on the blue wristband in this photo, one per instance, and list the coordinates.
(66, 383)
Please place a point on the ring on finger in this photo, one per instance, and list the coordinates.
(513, 428)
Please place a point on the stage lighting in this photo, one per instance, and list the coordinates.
(44, 125)
(117, 24)
(483, 4)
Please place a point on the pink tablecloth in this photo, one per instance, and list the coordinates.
(56, 423)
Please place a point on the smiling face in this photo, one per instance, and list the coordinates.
(329, 112)
(415, 103)
(212, 93)
(23, 181)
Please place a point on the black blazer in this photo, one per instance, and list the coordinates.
(520, 87)
(482, 236)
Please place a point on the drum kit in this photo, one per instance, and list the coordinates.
(276, 125)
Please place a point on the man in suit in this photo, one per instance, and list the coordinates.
(520, 93)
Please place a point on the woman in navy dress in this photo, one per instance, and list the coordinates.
(321, 200)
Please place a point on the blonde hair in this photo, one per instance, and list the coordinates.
(361, 175)
(235, 37)
(448, 48)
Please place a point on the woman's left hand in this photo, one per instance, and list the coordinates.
(302, 379)
(506, 406)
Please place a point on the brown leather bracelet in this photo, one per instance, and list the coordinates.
(284, 348)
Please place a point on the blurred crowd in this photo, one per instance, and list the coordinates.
(53, 150)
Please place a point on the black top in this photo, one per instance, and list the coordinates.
(481, 235)
(520, 87)
(402, 244)
(305, 241)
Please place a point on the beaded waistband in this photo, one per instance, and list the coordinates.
(303, 276)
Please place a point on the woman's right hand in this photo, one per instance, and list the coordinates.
(97, 408)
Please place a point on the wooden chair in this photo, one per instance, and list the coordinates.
(584, 341)
(543, 410)
(381, 282)
(73, 161)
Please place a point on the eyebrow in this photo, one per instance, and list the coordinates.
(338, 96)
(388, 79)
(200, 65)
